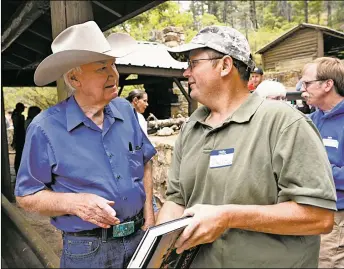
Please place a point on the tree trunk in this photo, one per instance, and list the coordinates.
(157, 124)
(253, 15)
(231, 8)
(306, 11)
(224, 13)
(289, 12)
(329, 14)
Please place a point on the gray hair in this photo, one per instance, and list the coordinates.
(69, 86)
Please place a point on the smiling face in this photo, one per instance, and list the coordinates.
(202, 76)
(97, 82)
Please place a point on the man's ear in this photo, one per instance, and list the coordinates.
(227, 66)
(329, 85)
(73, 80)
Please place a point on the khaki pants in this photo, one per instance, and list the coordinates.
(332, 245)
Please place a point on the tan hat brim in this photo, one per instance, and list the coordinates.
(181, 53)
(55, 65)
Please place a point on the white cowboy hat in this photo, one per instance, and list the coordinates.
(81, 44)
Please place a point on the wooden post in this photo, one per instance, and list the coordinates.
(66, 13)
(320, 44)
(5, 164)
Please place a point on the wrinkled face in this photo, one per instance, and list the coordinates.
(256, 79)
(140, 105)
(98, 81)
(202, 76)
(313, 91)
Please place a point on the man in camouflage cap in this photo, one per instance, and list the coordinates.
(239, 166)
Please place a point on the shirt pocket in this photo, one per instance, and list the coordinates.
(136, 166)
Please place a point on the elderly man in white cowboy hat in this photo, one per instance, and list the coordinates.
(86, 161)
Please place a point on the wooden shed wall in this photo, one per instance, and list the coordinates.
(293, 52)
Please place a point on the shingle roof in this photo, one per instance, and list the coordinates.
(300, 26)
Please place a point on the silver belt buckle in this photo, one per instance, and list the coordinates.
(123, 229)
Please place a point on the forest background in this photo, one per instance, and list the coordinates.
(260, 21)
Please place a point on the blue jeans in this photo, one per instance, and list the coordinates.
(91, 252)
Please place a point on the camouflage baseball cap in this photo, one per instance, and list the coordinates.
(223, 39)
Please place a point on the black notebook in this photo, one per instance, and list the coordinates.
(157, 250)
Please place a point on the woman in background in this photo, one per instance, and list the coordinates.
(31, 113)
(139, 101)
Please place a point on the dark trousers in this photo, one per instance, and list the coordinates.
(91, 252)
(17, 158)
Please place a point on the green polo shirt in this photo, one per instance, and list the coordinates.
(278, 156)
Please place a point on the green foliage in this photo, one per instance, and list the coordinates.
(30, 96)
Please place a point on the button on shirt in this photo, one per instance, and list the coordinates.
(67, 152)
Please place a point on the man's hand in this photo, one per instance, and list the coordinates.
(95, 209)
(208, 223)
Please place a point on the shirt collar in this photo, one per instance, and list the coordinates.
(242, 114)
(75, 115)
(113, 112)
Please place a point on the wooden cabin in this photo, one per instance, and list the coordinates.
(301, 44)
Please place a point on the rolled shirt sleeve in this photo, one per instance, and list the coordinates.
(35, 172)
(303, 179)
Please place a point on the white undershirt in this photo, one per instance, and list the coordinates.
(142, 122)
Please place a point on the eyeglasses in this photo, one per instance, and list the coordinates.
(305, 84)
(191, 63)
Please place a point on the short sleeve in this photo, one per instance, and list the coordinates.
(173, 192)
(302, 168)
(147, 147)
(35, 171)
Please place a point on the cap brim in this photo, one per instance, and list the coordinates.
(181, 53)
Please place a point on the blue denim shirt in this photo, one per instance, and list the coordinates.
(66, 152)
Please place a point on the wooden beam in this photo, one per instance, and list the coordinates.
(20, 57)
(24, 16)
(107, 8)
(5, 164)
(134, 13)
(140, 81)
(64, 14)
(32, 45)
(150, 71)
(181, 88)
(320, 36)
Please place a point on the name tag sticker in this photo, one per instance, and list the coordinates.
(221, 158)
(329, 142)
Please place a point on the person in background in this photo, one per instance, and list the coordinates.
(303, 107)
(239, 166)
(18, 120)
(139, 101)
(271, 90)
(32, 112)
(256, 78)
(323, 87)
